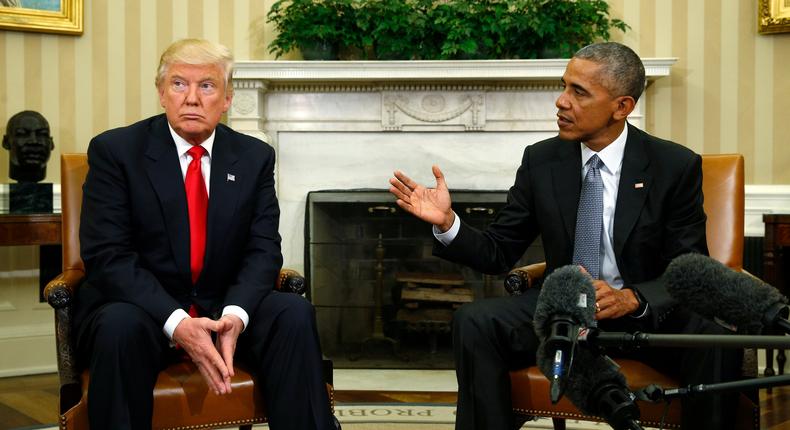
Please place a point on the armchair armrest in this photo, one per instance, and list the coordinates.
(522, 278)
(60, 293)
(290, 281)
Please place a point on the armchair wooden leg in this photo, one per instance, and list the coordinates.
(559, 423)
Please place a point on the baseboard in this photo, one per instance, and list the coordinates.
(28, 350)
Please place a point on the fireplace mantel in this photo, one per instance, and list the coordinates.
(419, 71)
(349, 124)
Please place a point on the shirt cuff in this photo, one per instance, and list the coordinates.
(447, 237)
(239, 312)
(172, 322)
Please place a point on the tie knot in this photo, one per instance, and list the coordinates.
(196, 152)
(595, 162)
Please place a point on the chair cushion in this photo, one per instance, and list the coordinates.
(182, 401)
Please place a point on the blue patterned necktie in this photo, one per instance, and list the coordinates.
(589, 220)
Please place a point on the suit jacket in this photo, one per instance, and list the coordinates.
(653, 223)
(134, 227)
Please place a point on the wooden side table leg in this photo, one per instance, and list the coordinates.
(769, 274)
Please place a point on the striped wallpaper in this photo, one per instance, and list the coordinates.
(729, 91)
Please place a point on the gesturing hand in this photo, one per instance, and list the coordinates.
(194, 335)
(428, 204)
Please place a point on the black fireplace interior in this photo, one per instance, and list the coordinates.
(382, 300)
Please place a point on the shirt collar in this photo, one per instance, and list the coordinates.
(182, 146)
(611, 155)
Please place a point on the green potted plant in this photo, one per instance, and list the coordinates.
(441, 29)
(397, 29)
(566, 26)
(521, 28)
(474, 29)
(318, 28)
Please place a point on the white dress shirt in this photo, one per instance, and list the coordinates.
(182, 146)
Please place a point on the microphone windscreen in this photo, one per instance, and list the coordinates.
(712, 289)
(569, 292)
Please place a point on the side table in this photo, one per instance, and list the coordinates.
(42, 230)
(30, 229)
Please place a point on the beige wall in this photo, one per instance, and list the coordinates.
(725, 93)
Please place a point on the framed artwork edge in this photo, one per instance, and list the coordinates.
(66, 21)
(769, 18)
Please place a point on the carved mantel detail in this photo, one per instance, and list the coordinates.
(446, 108)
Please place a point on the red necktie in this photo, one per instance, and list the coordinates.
(197, 203)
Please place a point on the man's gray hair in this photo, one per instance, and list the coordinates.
(622, 70)
(197, 52)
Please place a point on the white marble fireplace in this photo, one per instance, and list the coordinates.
(348, 125)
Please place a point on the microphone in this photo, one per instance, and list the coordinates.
(713, 290)
(565, 303)
(594, 384)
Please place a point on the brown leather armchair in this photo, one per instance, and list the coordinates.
(181, 398)
(723, 189)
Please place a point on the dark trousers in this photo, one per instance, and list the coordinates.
(125, 350)
(493, 336)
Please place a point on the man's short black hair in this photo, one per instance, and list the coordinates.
(624, 73)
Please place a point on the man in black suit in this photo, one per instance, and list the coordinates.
(171, 271)
(651, 212)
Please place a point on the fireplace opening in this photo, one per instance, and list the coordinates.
(382, 299)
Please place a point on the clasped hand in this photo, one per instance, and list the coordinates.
(613, 303)
(213, 359)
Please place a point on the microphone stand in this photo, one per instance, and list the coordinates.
(631, 341)
(655, 393)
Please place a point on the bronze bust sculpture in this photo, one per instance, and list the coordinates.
(29, 141)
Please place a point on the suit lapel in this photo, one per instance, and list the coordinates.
(225, 182)
(164, 172)
(567, 183)
(635, 182)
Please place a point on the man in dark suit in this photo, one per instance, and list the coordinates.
(171, 271)
(650, 211)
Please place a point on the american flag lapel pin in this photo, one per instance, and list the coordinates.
(639, 185)
(231, 178)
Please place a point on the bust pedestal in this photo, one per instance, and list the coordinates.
(30, 198)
